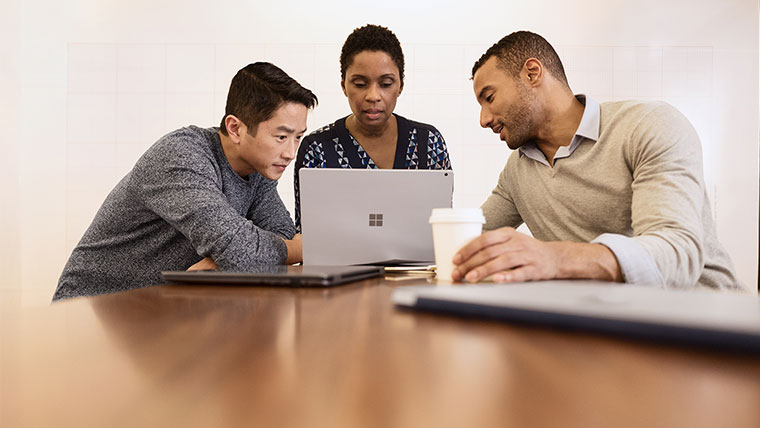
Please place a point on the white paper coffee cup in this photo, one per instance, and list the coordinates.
(453, 228)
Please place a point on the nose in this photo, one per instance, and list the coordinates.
(486, 118)
(291, 150)
(373, 93)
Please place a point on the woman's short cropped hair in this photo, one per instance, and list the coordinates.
(371, 38)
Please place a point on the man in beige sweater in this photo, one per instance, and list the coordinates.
(612, 192)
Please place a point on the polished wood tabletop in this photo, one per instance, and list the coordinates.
(216, 356)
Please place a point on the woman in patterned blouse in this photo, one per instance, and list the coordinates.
(372, 136)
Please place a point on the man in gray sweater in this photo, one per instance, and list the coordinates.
(201, 198)
(612, 192)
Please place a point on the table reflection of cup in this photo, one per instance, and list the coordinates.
(453, 228)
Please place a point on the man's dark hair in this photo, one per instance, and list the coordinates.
(258, 90)
(371, 38)
(513, 50)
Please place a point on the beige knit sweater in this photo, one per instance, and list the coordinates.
(639, 189)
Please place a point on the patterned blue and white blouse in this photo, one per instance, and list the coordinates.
(333, 146)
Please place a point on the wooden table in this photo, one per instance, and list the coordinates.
(191, 356)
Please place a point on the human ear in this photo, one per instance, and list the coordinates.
(234, 128)
(533, 71)
(343, 86)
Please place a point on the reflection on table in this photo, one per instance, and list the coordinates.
(343, 357)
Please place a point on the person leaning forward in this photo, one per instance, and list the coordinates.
(201, 197)
(612, 192)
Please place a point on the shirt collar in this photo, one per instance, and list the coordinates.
(588, 129)
(589, 126)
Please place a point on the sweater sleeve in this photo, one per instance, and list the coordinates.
(636, 264)
(268, 211)
(665, 158)
(183, 188)
(499, 209)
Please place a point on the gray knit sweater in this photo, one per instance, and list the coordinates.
(638, 189)
(180, 203)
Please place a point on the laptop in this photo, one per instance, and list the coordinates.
(370, 216)
(277, 275)
(698, 317)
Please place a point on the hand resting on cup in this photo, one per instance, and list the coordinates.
(510, 256)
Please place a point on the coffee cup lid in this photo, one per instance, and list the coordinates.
(457, 215)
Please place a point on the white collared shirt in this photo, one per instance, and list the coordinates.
(588, 129)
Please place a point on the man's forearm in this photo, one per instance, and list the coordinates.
(588, 261)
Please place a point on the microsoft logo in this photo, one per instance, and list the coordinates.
(376, 220)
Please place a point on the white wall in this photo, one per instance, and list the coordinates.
(87, 85)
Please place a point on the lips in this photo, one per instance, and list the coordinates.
(500, 129)
(373, 113)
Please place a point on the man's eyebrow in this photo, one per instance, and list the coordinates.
(288, 129)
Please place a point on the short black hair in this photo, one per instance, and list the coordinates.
(513, 50)
(371, 38)
(258, 90)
